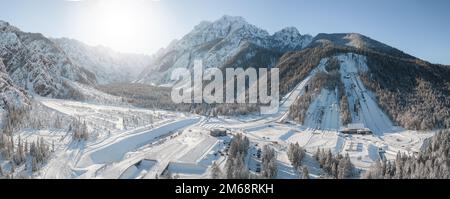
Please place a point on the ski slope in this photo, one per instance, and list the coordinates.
(323, 113)
(370, 113)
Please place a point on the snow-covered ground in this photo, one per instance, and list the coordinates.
(126, 142)
(114, 131)
(370, 113)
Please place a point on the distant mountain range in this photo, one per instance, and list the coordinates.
(108, 65)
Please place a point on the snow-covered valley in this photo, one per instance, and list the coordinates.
(73, 111)
(126, 142)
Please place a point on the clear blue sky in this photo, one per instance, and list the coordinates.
(418, 27)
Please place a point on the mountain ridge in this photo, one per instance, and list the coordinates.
(216, 43)
(35, 63)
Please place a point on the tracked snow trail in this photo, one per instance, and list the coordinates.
(60, 167)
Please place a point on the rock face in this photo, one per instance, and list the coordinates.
(289, 39)
(227, 41)
(108, 66)
(37, 64)
(10, 95)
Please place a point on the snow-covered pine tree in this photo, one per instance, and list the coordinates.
(235, 166)
(295, 154)
(305, 172)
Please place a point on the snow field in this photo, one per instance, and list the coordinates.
(115, 151)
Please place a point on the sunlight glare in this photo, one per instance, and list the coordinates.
(124, 25)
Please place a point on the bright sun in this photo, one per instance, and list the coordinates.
(124, 25)
(117, 23)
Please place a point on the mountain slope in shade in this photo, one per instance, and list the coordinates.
(220, 43)
(108, 66)
(38, 64)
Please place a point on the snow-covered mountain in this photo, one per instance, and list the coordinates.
(402, 87)
(226, 41)
(10, 94)
(108, 65)
(367, 82)
(37, 64)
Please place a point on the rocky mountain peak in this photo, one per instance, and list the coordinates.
(221, 43)
(288, 31)
(289, 38)
(5, 26)
(231, 27)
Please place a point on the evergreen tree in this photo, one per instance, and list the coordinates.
(305, 172)
(317, 154)
(337, 166)
(295, 154)
(235, 166)
(34, 166)
(268, 162)
(431, 163)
